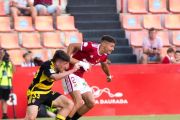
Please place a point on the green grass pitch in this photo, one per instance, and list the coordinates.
(154, 117)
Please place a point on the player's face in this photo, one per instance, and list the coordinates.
(62, 66)
(109, 47)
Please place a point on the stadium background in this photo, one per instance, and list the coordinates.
(135, 90)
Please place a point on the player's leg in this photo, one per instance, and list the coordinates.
(57, 100)
(31, 112)
(88, 105)
(34, 101)
(65, 104)
(73, 87)
(77, 98)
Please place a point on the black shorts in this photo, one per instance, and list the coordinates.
(46, 99)
(4, 94)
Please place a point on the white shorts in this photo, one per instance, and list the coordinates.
(73, 83)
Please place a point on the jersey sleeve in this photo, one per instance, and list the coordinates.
(104, 60)
(48, 71)
(86, 46)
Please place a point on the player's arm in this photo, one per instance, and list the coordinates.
(59, 76)
(70, 50)
(105, 68)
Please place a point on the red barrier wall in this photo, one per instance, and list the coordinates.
(135, 90)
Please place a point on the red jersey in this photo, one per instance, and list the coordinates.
(166, 60)
(89, 53)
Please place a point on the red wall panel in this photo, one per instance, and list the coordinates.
(134, 90)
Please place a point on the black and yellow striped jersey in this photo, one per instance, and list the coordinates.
(42, 83)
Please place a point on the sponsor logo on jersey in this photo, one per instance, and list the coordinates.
(113, 98)
(98, 60)
(95, 45)
(52, 71)
(33, 100)
(75, 85)
(85, 44)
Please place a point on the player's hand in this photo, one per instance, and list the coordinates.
(90, 66)
(86, 66)
(76, 67)
(109, 78)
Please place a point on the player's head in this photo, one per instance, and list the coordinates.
(108, 43)
(61, 60)
(152, 33)
(170, 52)
(177, 54)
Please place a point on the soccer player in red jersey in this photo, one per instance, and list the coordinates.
(88, 54)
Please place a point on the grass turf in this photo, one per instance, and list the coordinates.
(154, 117)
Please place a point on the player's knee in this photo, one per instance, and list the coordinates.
(70, 105)
(91, 104)
(78, 103)
(31, 117)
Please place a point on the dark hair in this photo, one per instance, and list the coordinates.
(61, 55)
(108, 38)
(25, 54)
(177, 51)
(152, 29)
(170, 50)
